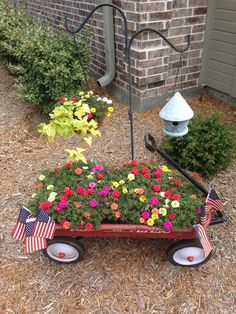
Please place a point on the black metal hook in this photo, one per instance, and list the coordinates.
(91, 13)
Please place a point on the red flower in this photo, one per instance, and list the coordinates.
(73, 99)
(90, 191)
(89, 116)
(68, 192)
(159, 179)
(177, 183)
(147, 175)
(45, 205)
(171, 216)
(168, 193)
(115, 195)
(196, 175)
(134, 163)
(99, 176)
(63, 198)
(144, 170)
(56, 171)
(176, 197)
(156, 188)
(65, 224)
(135, 171)
(68, 165)
(81, 190)
(88, 226)
(61, 99)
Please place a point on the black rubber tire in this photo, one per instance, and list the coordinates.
(77, 246)
(176, 246)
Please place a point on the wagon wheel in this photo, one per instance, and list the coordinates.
(186, 253)
(64, 250)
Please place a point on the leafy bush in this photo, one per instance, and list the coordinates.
(47, 65)
(208, 147)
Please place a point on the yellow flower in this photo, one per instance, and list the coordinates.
(52, 196)
(150, 222)
(66, 99)
(142, 198)
(165, 168)
(50, 187)
(124, 190)
(131, 177)
(136, 190)
(121, 182)
(90, 93)
(34, 195)
(90, 177)
(81, 93)
(115, 184)
(87, 96)
(108, 114)
(41, 177)
(154, 216)
(141, 220)
(93, 110)
(162, 211)
(110, 109)
(175, 204)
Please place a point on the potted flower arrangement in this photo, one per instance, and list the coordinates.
(84, 196)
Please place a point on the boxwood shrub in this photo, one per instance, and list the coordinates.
(208, 148)
(48, 65)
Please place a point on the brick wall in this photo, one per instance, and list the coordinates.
(154, 63)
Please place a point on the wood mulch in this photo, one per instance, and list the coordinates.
(117, 275)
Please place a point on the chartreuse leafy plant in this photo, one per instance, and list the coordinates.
(208, 148)
(47, 64)
(79, 115)
(78, 196)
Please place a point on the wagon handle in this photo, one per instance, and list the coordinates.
(151, 145)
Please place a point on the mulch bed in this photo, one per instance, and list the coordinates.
(117, 275)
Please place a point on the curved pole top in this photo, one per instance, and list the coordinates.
(162, 36)
(91, 13)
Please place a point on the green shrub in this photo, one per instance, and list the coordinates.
(48, 65)
(208, 147)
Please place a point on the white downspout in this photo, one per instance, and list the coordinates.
(109, 44)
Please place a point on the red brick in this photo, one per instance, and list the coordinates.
(194, 20)
(155, 16)
(200, 11)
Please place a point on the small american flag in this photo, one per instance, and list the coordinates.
(203, 216)
(44, 227)
(202, 236)
(18, 231)
(32, 243)
(213, 201)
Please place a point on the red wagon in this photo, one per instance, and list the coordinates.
(66, 247)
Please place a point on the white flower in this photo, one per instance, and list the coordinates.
(85, 167)
(41, 177)
(99, 98)
(52, 196)
(105, 99)
(109, 101)
(162, 194)
(34, 195)
(50, 187)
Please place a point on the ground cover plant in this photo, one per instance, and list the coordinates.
(208, 148)
(84, 196)
(48, 65)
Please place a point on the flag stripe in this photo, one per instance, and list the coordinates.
(33, 244)
(202, 236)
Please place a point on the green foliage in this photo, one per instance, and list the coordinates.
(208, 147)
(48, 65)
(119, 195)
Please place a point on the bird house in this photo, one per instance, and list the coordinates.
(176, 115)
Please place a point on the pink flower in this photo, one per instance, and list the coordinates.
(89, 116)
(167, 193)
(92, 203)
(156, 188)
(144, 170)
(153, 201)
(92, 185)
(135, 171)
(168, 225)
(198, 211)
(177, 183)
(147, 175)
(158, 172)
(145, 214)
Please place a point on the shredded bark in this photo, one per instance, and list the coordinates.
(116, 275)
